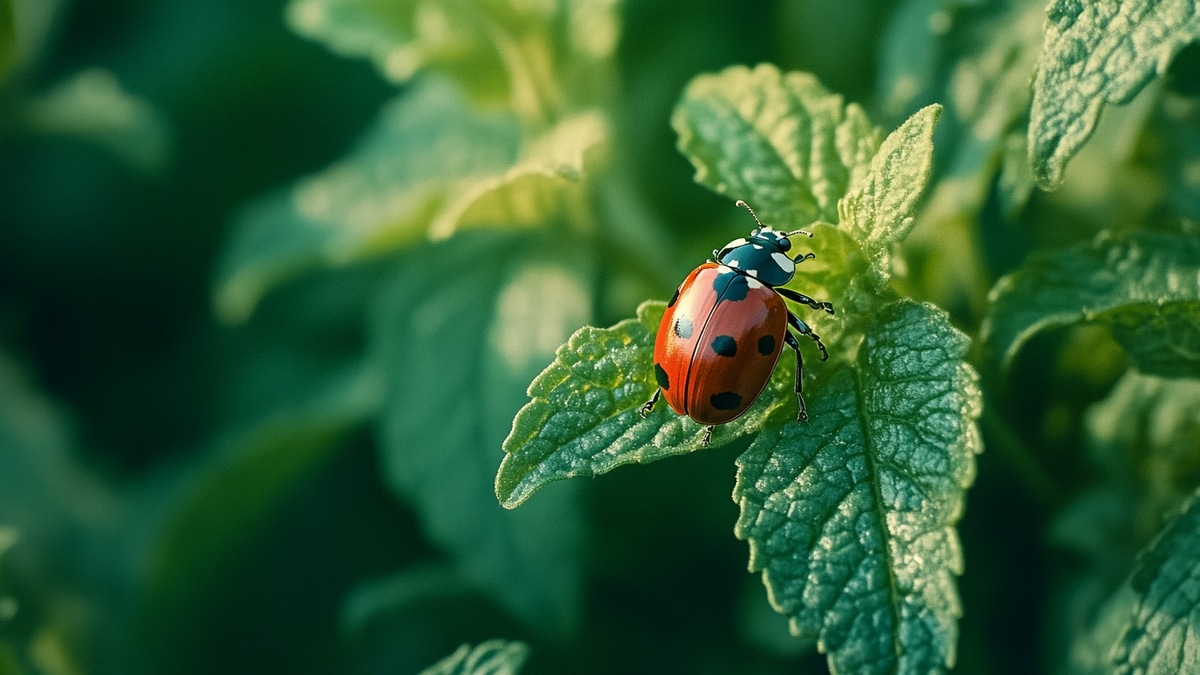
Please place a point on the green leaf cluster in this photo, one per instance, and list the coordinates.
(309, 308)
(862, 557)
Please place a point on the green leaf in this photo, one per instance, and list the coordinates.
(494, 657)
(1145, 286)
(1094, 53)
(429, 168)
(850, 517)
(540, 59)
(1143, 438)
(782, 142)
(457, 350)
(583, 419)
(979, 68)
(425, 152)
(799, 155)
(91, 105)
(878, 210)
(546, 185)
(1163, 635)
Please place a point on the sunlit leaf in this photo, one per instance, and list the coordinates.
(430, 167)
(780, 141)
(425, 152)
(878, 210)
(1145, 286)
(1163, 635)
(851, 516)
(541, 59)
(906, 422)
(801, 156)
(457, 350)
(546, 184)
(494, 657)
(583, 419)
(1095, 53)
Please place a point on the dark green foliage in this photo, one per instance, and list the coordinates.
(315, 315)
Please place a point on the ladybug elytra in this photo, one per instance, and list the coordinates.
(724, 329)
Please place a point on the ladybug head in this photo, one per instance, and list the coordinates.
(768, 236)
(762, 255)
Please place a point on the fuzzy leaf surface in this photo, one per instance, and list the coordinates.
(878, 210)
(1095, 53)
(1163, 635)
(1145, 286)
(780, 141)
(583, 419)
(850, 517)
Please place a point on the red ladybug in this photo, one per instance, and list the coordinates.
(724, 329)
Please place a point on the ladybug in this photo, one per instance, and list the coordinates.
(725, 327)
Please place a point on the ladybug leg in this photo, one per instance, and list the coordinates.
(805, 300)
(805, 256)
(790, 340)
(803, 329)
(707, 435)
(649, 405)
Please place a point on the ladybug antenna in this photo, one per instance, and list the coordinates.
(746, 206)
(786, 234)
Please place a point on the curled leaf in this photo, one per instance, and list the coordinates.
(1145, 286)
(1097, 52)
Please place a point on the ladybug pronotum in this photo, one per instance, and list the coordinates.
(725, 327)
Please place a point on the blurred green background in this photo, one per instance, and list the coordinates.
(256, 362)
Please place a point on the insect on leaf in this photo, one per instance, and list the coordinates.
(583, 419)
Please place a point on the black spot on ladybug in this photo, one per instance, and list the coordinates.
(683, 327)
(766, 345)
(732, 290)
(660, 376)
(724, 345)
(674, 298)
(726, 400)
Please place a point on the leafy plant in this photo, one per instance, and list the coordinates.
(281, 287)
